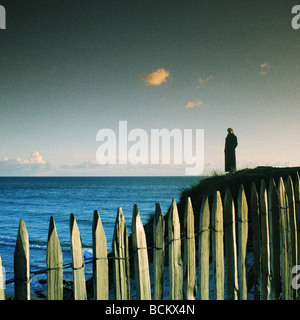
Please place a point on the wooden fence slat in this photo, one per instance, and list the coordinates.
(140, 255)
(158, 252)
(290, 192)
(255, 215)
(289, 188)
(22, 264)
(230, 247)
(175, 262)
(54, 264)
(204, 249)
(79, 286)
(242, 242)
(274, 239)
(121, 266)
(100, 262)
(297, 209)
(2, 284)
(265, 243)
(189, 261)
(218, 247)
(285, 243)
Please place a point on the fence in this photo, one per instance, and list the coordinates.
(275, 238)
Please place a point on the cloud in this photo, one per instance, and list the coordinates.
(87, 165)
(193, 104)
(265, 67)
(35, 158)
(156, 78)
(35, 165)
(263, 73)
(202, 81)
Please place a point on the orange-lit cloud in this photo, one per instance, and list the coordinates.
(264, 69)
(156, 78)
(265, 65)
(193, 104)
(205, 80)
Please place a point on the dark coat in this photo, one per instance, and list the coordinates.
(230, 145)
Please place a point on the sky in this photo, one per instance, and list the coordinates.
(71, 68)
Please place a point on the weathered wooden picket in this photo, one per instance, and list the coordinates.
(222, 251)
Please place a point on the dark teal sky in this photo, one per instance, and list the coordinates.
(71, 68)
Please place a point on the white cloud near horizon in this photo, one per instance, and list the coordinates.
(35, 165)
(156, 78)
(193, 104)
(13, 167)
(35, 158)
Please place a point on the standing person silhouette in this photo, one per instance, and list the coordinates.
(230, 145)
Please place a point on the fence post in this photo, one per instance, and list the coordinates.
(255, 214)
(189, 261)
(274, 239)
(140, 254)
(2, 281)
(285, 243)
(204, 249)
(121, 266)
(218, 247)
(230, 247)
(54, 265)
(158, 252)
(100, 262)
(297, 209)
(175, 263)
(22, 264)
(79, 286)
(292, 220)
(265, 243)
(242, 242)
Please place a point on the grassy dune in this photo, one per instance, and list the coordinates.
(220, 182)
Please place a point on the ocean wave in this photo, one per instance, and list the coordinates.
(7, 241)
(42, 245)
(87, 253)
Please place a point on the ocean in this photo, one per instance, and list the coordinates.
(36, 199)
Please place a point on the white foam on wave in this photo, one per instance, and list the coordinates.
(87, 253)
